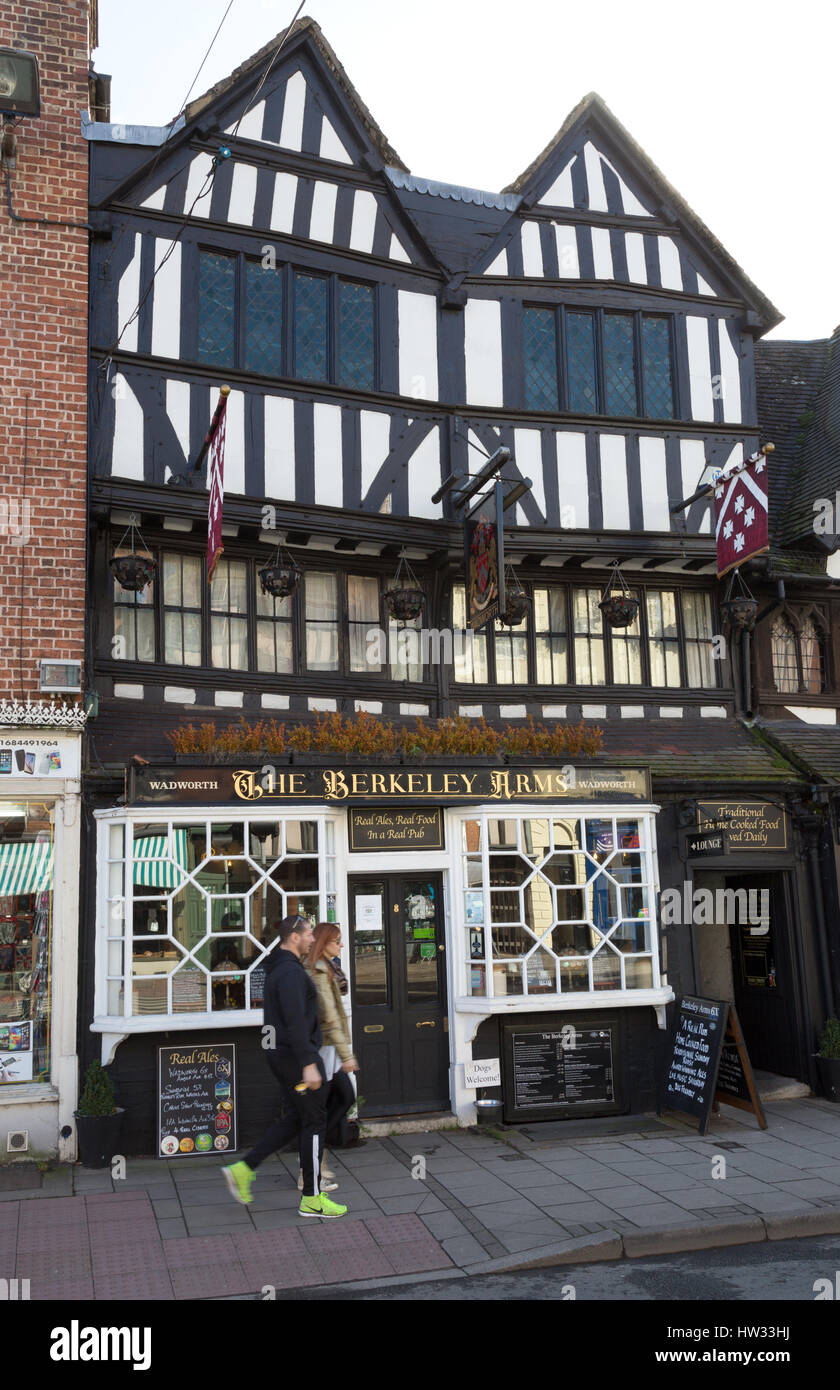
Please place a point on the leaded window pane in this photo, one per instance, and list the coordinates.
(550, 636)
(363, 619)
(470, 648)
(263, 319)
(355, 335)
(274, 633)
(697, 622)
(310, 328)
(663, 637)
(540, 346)
(810, 646)
(580, 363)
(182, 609)
(590, 668)
(321, 593)
(618, 364)
(658, 372)
(627, 653)
(785, 666)
(134, 624)
(216, 294)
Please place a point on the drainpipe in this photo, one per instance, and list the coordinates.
(811, 826)
(746, 674)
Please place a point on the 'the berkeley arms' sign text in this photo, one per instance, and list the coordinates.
(348, 785)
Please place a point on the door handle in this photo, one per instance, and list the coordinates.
(428, 1023)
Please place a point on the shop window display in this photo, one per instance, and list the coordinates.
(561, 906)
(26, 916)
(203, 900)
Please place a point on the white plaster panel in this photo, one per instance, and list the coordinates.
(560, 194)
(328, 454)
(331, 146)
(602, 253)
(614, 491)
(418, 344)
(243, 193)
(291, 131)
(654, 484)
(279, 447)
(532, 261)
(730, 372)
(670, 272)
(166, 312)
(375, 431)
(127, 459)
(573, 480)
(283, 203)
(483, 351)
(364, 221)
(128, 297)
(700, 367)
(634, 247)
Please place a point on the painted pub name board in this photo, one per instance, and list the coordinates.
(357, 785)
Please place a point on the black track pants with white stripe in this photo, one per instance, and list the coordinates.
(304, 1113)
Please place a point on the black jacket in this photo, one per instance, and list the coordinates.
(290, 1007)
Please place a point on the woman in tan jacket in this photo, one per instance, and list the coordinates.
(337, 1050)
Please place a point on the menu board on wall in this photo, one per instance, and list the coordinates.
(196, 1099)
(562, 1071)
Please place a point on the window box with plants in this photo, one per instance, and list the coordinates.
(98, 1119)
(828, 1059)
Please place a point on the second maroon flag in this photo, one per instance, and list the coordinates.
(741, 513)
(216, 482)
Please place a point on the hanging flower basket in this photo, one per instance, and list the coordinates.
(405, 603)
(740, 613)
(133, 572)
(619, 610)
(516, 608)
(280, 579)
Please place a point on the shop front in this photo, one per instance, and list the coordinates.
(39, 878)
(480, 905)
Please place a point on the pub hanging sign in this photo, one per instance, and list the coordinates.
(274, 786)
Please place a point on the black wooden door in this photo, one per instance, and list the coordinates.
(762, 970)
(399, 992)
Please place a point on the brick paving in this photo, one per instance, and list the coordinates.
(170, 1230)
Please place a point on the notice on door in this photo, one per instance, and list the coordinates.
(568, 1068)
(196, 1099)
(368, 912)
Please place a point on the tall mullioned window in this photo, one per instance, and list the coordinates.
(607, 363)
(182, 582)
(280, 321)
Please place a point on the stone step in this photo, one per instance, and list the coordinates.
(772, 1087)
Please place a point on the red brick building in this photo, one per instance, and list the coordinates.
(43, 422)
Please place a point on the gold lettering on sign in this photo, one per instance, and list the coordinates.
(377, 782)
(246, 786)
(335, 786)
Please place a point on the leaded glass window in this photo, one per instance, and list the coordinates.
(580, 363)
(810, 647)
(216, 299)
(550, 636)
(311, 357)
(540, 345)
(321, 593)
(619, 368)
(229, 616)
(656, 357)
(182, 576)
(627, 653)
(263, 319)
(275, 649)
(785, 666)
(589, 637)
(663, 637)
(363, 623)
(355, 335)
(134, 623)
(697, 622)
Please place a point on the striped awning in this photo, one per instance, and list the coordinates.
(154, 867)
(25, 867)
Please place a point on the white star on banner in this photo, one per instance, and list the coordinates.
(739, 541)
(727, 530)
(749, 516)
(739, 502)
(718, 492)
(759, 467)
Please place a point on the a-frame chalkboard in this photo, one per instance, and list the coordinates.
(707, 1062)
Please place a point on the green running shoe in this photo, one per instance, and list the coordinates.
(239, 1178)
(321, 1206)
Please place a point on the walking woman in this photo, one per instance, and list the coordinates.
(324, 965)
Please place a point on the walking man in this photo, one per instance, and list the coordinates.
(291, 1012)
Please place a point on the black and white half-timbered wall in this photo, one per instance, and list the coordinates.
(379, 332)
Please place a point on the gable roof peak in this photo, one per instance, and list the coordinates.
(302, 29)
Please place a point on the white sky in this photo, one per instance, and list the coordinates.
(734, 100)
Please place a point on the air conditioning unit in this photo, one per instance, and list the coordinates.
(17, 1141)
(61, 677)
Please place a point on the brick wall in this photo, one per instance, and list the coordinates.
(43, 342)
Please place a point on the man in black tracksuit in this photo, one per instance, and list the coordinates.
(290, 1010)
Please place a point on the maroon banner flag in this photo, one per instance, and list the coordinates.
(741, 513)
(216, 480)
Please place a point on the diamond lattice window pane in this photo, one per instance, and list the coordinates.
(580, 362)
(263, 319)
(618, 364)
(540, 347)
(355, 335)
(310, 328)
(656, 351)
(216, 280)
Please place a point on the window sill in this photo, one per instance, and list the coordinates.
(28, 1093)
(555, 1003)
(170, 1023)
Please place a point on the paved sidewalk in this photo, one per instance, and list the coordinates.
(421, 1205)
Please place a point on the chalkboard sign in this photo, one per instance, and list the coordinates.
(561, 1071)
(705, 1032)
(196, 1099)
(693, 1057)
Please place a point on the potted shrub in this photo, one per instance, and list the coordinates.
(98, 1119)
(828, 1059)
